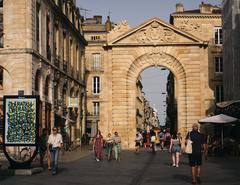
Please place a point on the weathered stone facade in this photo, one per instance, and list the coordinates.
(43, 54)
(231, 45)
(188, 54)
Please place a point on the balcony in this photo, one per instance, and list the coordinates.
(48, 53)
(97, 69)
(92, 117)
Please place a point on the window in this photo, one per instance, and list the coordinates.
(48, 43)
(64, 46)
(1, 25)
(219, 93)
(77, 55)
(96, 108)
(218, 64)
(96, 84)
(96, 60)
(71, 53)
(37, 81)
(56, 42)
(47, 86)
(95, 37)
(1, 77)
(38, 26)
(218, 35)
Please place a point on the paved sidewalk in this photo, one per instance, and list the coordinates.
(134, 169)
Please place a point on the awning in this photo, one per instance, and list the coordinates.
(220, 119)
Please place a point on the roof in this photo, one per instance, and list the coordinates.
(197, 11)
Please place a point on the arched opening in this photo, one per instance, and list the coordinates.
(156, 101)
(1, 77)
(37, 82)
(158, 59)
(47, 86)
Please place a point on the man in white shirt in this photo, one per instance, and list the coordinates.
(55, 143)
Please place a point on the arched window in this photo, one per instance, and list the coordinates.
(47, 86)
(37, 81)
(1, 77)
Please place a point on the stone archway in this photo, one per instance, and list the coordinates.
(153, 43)
(149, 60)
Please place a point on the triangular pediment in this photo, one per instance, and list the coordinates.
(155, 32)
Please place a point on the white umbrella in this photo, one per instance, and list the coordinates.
(218, 119)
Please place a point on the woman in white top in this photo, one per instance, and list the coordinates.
(55, 143)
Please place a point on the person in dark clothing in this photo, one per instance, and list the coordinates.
(195, 159)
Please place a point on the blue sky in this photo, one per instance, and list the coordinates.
(136, 12)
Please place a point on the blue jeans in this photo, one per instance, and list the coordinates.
(54, 155)
(109, 150)
(117, 150)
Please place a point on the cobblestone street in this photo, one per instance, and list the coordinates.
(140, 169)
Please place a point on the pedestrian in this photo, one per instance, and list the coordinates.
(109, 146)
(98, 146)
(117, 146)
(175, 150)
(138, 140)
(153, 142)
(195, 158)
(55, 143)
(43, 146)
(167, 138)
(162, 139)
(179, 136)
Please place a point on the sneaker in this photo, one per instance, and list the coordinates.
(177, 166)
(174, 165)
(97, 160)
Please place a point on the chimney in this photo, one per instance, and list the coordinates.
(205, 8)
(98, 18)
(108, 24)
(179, 7)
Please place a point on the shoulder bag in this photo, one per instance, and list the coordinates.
(188, 149)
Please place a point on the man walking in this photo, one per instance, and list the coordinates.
(117, 146)
(55, 143)
(195, 158)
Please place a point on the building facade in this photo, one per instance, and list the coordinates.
(42, 53)
(95, 32)
(231, 54)
(139, 106)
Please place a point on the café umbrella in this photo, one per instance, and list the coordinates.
(220, 119)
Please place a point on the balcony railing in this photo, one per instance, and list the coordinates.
(100, 69)
(91, 116)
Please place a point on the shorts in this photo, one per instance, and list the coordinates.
(137, 144)
(195, 159)
(176, 149)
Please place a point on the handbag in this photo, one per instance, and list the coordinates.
(50, 147)
(188, 149)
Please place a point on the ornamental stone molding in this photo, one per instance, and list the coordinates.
(155, 33)
(119, 29)
(189, 26)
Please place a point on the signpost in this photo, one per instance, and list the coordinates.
(21, 126)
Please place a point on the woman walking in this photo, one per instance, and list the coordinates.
(175, 150)
(109, 145)
(138, 140)
(98, 146)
